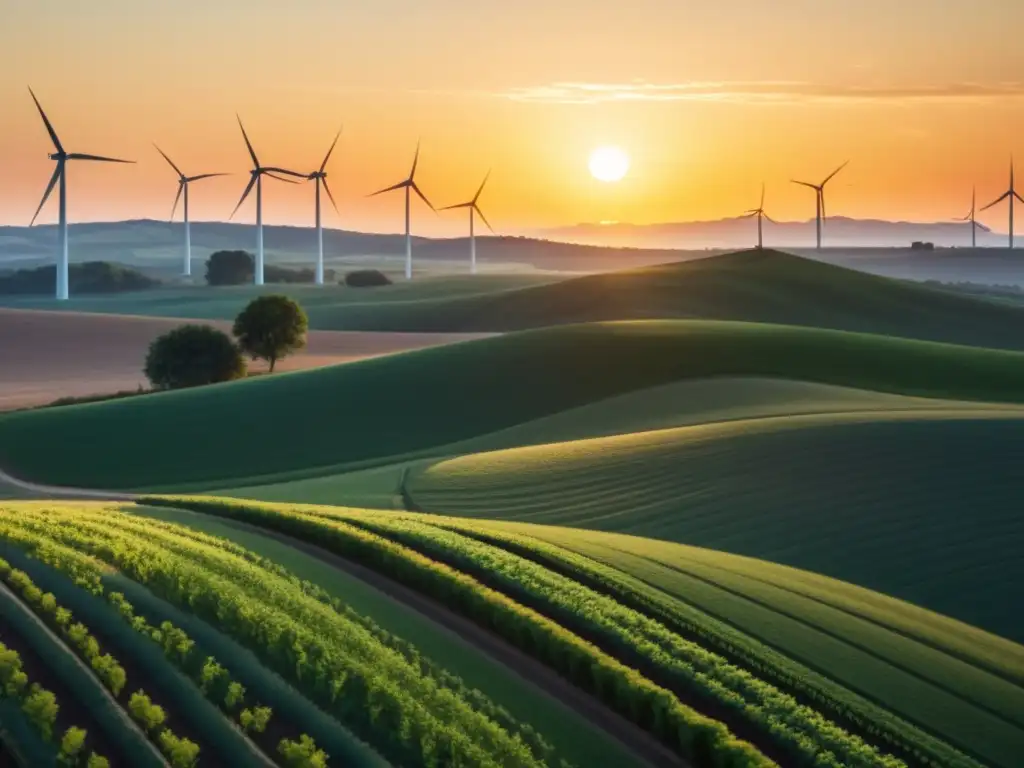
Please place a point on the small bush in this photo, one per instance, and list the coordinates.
(366, 278)
(302, 753)
(146, 713)
(255, 719)
(71, 745)
(193, 355)
(230, 268)
(40, 706)
(180, 751)
(95, 761)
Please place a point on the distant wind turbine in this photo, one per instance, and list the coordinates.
(473, 209)
(970, 217)
(320, 177)
(257, 173)
(408, 184)
(759, 212)
(60, 174)
(819, 193)
(1009, 194)
(183, 182)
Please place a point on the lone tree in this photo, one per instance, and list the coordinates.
(193, 355)
(230, 268)
(270, 328)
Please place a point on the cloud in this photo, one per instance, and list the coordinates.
(761, 92)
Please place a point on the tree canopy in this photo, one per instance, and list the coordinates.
(193, 355)
(271, 327)
(230, 268)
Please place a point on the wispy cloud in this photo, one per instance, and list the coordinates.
(760, 92)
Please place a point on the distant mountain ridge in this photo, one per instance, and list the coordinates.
(839, 231)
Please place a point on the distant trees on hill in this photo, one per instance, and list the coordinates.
(88, 277)
(239, 268)
(366, 278)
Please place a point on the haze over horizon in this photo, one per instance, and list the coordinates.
(707, 101)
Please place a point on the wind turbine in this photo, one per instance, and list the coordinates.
(970, 217)
(759, 212)
(408, 184)
(257, 173)
(321, 177)
(473, 209)
(183, 182)
(60, 174)
(819, 192)
(1009, 194)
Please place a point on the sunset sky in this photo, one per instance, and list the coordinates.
(925, 97)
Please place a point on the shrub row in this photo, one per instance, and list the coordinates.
(181, 752)
(40, 708)
(849, 709)
(540, 747)
(703, 741)
(408, 717)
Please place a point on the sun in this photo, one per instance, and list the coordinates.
(608, 163)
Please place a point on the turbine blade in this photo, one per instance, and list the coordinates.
(279, 178)
(422, 196)
(206, 176)
(762, 196)
(248, 189)
(49, 189)
(327, 189)
(805, 184)
(748, 214)
(98, 158)
(252, 152)
(177, 197)
(997, 200)
(824, 215)
(46, 122)
(837, 170)
(1018, 196)
(477, 195)
(170, 162)
(285, 172)
(457, 205)
(327, 157)
(415, 161)
(393, 187)
(769, 218)
(477, 209)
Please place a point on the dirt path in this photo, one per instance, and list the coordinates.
(646, 748)
(48, 355)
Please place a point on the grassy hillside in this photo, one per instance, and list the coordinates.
(913, 679)
(754, 286)
(309, 423)
(917, 504)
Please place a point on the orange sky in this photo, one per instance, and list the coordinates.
(924, 97)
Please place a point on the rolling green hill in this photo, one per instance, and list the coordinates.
(752, 286)
(302, 424)
(917, 505)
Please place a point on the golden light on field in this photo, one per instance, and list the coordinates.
(608, 164)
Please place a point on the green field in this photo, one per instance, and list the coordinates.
(379, 409)
(751, 510)
(751, 286)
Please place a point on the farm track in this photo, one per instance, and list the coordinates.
(647, 750)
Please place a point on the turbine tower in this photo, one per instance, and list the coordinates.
(970, 217)
(257, 173)
(473, 209)
(60, 174)
(183, 182)
(408, 184)
(321, 177)
(819, 194)
(1009, 194)
(759, 212)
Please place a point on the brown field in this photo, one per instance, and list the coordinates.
(49, 355)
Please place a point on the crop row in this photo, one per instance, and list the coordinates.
(337, 664)
(480, 702)
(801, 732)
(839, 703)
(40, 707)
(181, 752)
(695, 737)
(210, 678)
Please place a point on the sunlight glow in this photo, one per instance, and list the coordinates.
(608, 163)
